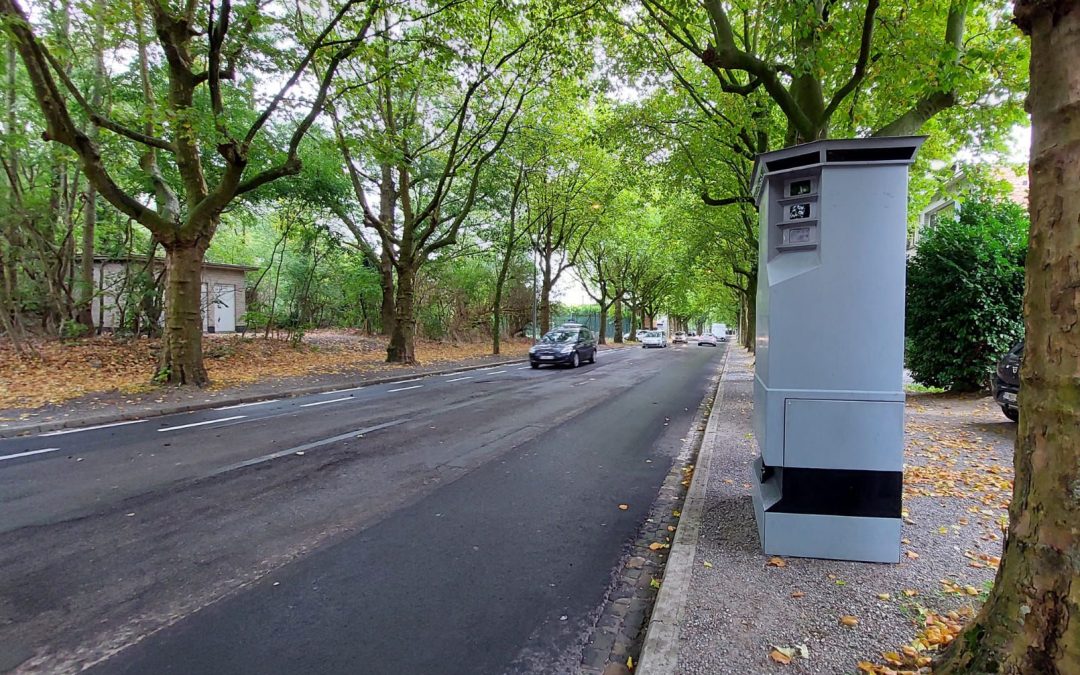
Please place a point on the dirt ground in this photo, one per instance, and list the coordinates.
(62, 370)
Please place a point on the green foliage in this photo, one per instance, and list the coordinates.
(965, 293)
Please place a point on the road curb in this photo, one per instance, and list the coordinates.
(109, 418)
(660, 651)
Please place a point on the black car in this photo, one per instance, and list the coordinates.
(565, 345)
(1006, 382)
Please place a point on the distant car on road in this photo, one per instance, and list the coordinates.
(653, 338)
(678, 337)
(722, 338)
(1005, 384)
(570, 344)
(640, 334)
(707, 340)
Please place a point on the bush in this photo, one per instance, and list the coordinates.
(965, 295)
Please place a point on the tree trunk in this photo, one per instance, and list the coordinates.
(402, 348)
(496, 317)
(181, 359)
(750, 337)
(618, 319)
(545, 303)
(85, 314)
(85, 286)
(386, 273)
(602, 333)
(1026, 625)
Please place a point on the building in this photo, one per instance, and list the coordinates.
(945, 203)
(223, 292)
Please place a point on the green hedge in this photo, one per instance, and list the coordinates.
(965, 295)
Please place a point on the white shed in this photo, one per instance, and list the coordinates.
(223, 292)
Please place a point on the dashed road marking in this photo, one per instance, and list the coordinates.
(97, 426)
(27, 453)
(333, 400)
(415, 386)
(246, 405)
(199, 424)
(459, 379)
(306, 446)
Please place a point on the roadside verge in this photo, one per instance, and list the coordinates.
(660, 652)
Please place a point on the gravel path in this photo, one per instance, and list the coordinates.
(958, 467)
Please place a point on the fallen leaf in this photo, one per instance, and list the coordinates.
(884, 596)
(779, 656)
(797, 594)
(776, 561)
(849, 620)
(656, 546)
(910, 592)
(655, 583)
(912, 554)
(707, 564)
(623, 507)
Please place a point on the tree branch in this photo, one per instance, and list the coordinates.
(934, 101)
(860, 63)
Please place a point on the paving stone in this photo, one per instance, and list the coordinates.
(616, 669)
(635, 563)
(603, 642)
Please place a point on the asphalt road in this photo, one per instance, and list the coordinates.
(466, 523)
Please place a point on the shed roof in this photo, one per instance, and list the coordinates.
(142, 259)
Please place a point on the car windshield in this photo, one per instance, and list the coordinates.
(559, 336)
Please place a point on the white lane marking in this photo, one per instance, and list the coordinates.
(497, 372)
(98, 426)
(305, 447)
(524, 367)
(415, 386)
(199, 424)
(415, 379)
(459, 379)
(342, 391)
(333, 400)
(246, 405)
(27, 453)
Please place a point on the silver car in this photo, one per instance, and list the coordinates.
(653, 338)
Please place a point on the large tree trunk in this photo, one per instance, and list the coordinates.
(85, 314)
(1026, 625)
(387, 314)
(618, 319)
(402, 348)
(602, 337)
(181, 359)
(749, 338)
(545, 303)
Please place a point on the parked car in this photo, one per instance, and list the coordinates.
(566, 345)
(653, 338)
(679, 337)
(640, 334)
(707, 339)
(1005, 384)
